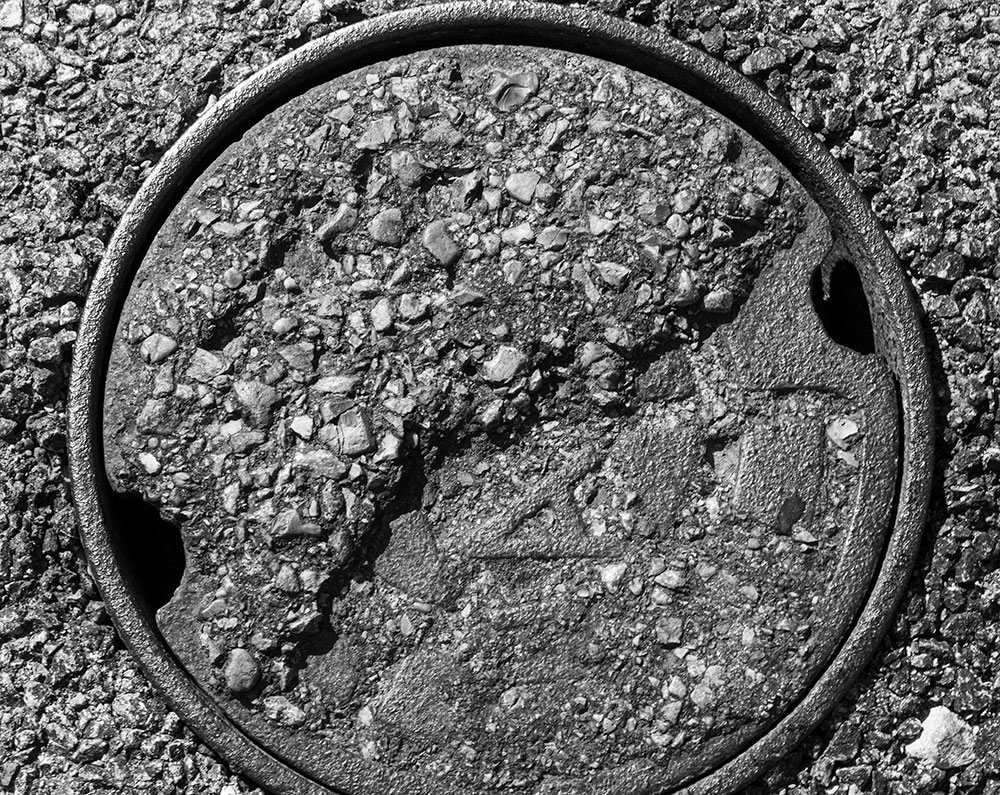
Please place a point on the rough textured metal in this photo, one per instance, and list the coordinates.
(897, 332)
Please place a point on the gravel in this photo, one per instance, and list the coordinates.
(903, 97)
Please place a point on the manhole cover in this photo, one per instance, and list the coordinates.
(464, 407)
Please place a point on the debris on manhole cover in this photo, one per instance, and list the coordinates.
(511, 420)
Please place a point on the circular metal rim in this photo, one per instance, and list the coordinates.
(537, 24)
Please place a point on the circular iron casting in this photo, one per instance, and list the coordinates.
(898, 342)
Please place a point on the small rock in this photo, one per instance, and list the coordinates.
(654, 213)
(678, 227)
(440, 244)
(613, 274)
(302, 426)
(413, 307)
(552, 238)
(672, 579)
(257, 399)
(280, 709)
(44, 350)
(718, 301)
(343, 220)
(366, 288)
(670, 632)
(599, 225)
(948, 266)
(763, 59)
(149, 463)
(380, 133)
(407, 168)
(387, 227)
(444, 133)
(841, 431)
(522, 185)
(518, 234)
(511, 91)
(389, 449)
(287, 580)
(205, 366)
(702, 695)
(241, 671)
(612, 573)
(492, 415)
(157, 347)
(381, 316)
(336, 384)
(947, 741)
(289, 524)
(283, 325)
(356, 436)
(233, 278)
(504, 366)
(685, 200)
(11, 14)
(466, 296)
(722, 233)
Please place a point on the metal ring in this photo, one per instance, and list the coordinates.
(575, 30)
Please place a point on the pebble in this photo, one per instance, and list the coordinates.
(280, 709)
(947, 741)
(302, 426)
(505, 364)
(612, 573)
(205, 366)
(718, 301)
(509, 92)
(671, 578)
(11, 14)
(149, 463)
(702, 695)
(678, 227)
(257, 399)
(343, 220)
(685, 200)
(763, 59)
(387, 227)
(44, 350)
(553, 238)
(516, 235)
(356, 436)
(413, 307)
(233, 278)
(379, 134)
(440, 244)
(842, 431)
(289, 524)
(336, 384)
(156, 348)
(381, 316)
(283, 325)
(947, 266)
(522, 184)
(466, 296)
(287, 580)
(444, 133)
(241, 671)
(670, 632)
(613, 274)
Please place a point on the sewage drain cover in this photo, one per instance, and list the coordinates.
(512, 420)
